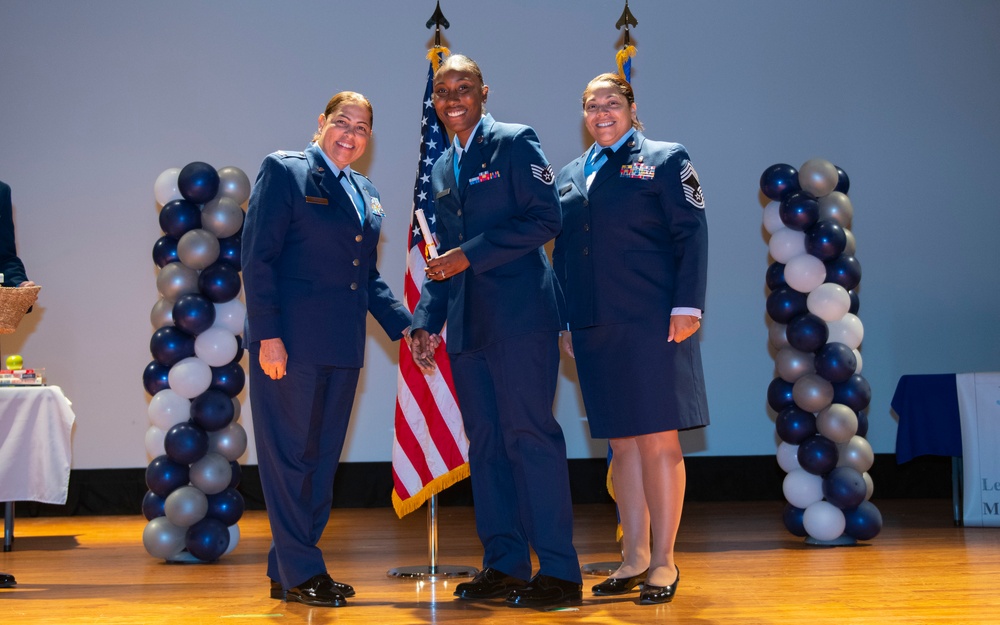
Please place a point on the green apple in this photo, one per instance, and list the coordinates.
(14, 361)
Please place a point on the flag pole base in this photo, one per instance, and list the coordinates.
(602, 569)
(441, 571)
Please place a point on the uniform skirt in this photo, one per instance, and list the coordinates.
(634, 382)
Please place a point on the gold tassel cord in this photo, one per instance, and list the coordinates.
(623, 55)
(435, 54)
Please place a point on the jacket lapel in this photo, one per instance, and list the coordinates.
(327, 181)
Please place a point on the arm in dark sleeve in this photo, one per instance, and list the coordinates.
(689, 231)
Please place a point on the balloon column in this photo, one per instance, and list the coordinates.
(194, 436)
(819, 394)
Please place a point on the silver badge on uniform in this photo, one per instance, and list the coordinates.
(692, 186)
(545, 174)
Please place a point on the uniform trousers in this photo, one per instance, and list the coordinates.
(517, 455)
(300, 423)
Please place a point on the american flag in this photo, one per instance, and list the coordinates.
(430, 451)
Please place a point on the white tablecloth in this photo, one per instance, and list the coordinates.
(35, 448)
(979, 410)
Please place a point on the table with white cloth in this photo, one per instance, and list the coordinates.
(36, 425)
(955, 415)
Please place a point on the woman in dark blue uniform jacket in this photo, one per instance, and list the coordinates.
(310, 277)
(496, 207)
(632, 260)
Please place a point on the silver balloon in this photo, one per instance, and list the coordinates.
(211, 474)
(812, 393)
(234, 538)
(836, 207)
(198, 248)
(230, 442)
(818, 176)
(776, 333)
(162, 314)
(837, 422)
(234, 184)
(792, 364)
(223, 217)
(176, 279)
(163, 539)
(852, 244)
(869, 486)
(185, 506)
(237, 407)
(857, 454)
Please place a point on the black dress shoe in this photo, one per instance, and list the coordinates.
(619, 586)
(319, 591)
(652, 595)
(277, 592)
(487, 584)
(7, 581)
(543, 591)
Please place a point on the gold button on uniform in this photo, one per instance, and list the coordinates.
(358, 238)
(354, 286)
(356, 262)
(586, 251)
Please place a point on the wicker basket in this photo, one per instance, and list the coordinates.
(14, 302)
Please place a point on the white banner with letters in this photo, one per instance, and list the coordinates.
(979, 410)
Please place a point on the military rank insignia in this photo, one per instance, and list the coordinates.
(638, 171)
(484, 177)
(692, 186)
(377, 207)
(545, 174)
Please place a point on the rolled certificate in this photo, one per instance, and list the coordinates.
(430, 249)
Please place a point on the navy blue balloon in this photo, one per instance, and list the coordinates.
(863, 522)
(794, 425)
(229, 379)
(186, 443)
(198, 182)
(844, 270)
(825, 240)
(793, 519)
(178, 217)
(212, 410)
(239, 350)
(219, 282)
(862, 424)
(154, 377)
(836, 362)
(779, 180)
(807, 333)
(164, 476)
(207, 539)
(843, 182)
(799, 210)
(226, 506)
(785, 304)
(193, 313)
(237, 474)
(844, 487)
(855, 393)
(855, 302)
(775, 277)
(779, 394)
(230, 249)
(170, 345)
(165, 251)
(152, 506)
(818, 455)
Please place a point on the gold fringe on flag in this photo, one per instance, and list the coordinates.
(432, 488)
(623, 55)
(437, 53)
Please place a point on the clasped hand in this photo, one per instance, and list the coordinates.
(423, 344)
(447, 265)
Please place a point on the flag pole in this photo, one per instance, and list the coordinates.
(433, 570)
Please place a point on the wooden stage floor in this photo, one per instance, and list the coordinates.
(738, 565)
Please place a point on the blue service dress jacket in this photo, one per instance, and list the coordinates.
(501, 211)
(309, 264)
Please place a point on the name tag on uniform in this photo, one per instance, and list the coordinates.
(316, 200)
(441, 194)
(638, 171)
(484, 177)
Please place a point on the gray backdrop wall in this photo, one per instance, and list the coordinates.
(97, 98)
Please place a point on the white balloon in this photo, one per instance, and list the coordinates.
(786, 244)
(847, 330)
(190, 377)
(216, 346)
(802, 488)
(234, 538)
(804, 273)
(869, 484)
(829, 301)
(772, 218)
(857, 355)
(165, 188)
(788, 457)
(154, 441)
(824, 521)
(168, 408)
(231, 315)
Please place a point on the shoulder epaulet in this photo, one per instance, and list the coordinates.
(289, 154)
